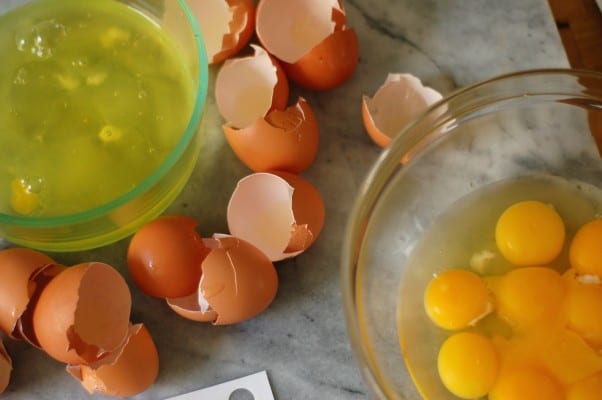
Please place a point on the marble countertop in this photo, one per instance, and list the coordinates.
(301, 339)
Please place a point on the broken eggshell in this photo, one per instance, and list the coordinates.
(164, 257)
(226, 25)
(130, 370)
(399, 100)
(247, 88)
(83, 313)
(17, 265)
(310, 37)
(281, 214)
(6, 366)
(283, 140)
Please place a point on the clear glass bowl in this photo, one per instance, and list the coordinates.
(120, 217)
(532, 122)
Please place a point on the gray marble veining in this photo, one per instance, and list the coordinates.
(301, 339)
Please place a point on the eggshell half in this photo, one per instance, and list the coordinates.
(311, 39)
(6, 366)
(247, 88)
(226, 25)
(132, 370)
(83, 313)
(17, 265)
(262, 211)
(40, 279)
(283, 140)
(238, 281)
(399, 100)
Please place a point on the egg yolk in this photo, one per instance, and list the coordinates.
(586, 389)
(585, 252)
(583, 308)
(530, 295)
(526, 383)
(23, 200)
(530, 233)
(468, 365)
(456, 299)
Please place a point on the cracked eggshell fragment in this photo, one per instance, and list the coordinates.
(401, 98)
(83, 313)
(6, 366)
(248, 88)
(310, 37)
(283, 140)
(130, 370)
(17, 265)
(265, 211)
(226, 25)
(238, 282)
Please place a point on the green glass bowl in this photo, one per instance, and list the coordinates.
(120, 217)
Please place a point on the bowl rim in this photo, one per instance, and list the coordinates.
(365, 198)
(23, 221)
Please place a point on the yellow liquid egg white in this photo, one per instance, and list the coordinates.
(529, 324)
(93, 97)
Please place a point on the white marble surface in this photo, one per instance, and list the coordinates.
(301, 339)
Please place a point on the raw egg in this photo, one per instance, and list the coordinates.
(284, 140)
(526, 382)
(586, 249)
(226, 25)
(586, 389)
(6, 366)
(129, 371)
(530, 233)
(401, 98)
(17, 265)
(164, 257)
(83, 313)
(456, 299)
(318, 50)
(281, 214)
(247, 88)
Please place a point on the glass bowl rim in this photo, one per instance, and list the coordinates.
(91, 214)
(366, 196)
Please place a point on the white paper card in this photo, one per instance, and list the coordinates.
(257, 384)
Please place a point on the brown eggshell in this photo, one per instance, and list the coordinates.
(40, 278)
(16, 267)
(248, 88)
(226, 25)
(189, 307)
(132, 370)
(399, 100)
(262, 211)
(6, 366)
(238, 280)
(83, 313)
(283, 140)
(310, 38)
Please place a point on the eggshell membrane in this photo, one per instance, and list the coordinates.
(40, 278)
(283, 140)
(226, 25)
(238, 281)
(83, 313)
(262, 211)
(6, 366)
(290, 29)
(16, 267)
(247, 88)
(190, 308)
(131, 371)
(399, 100)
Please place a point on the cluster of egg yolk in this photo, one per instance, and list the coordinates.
(544, 335)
